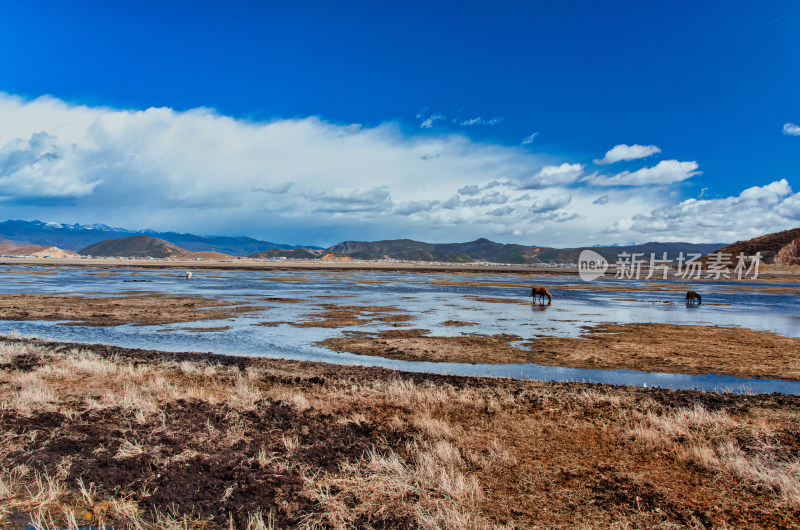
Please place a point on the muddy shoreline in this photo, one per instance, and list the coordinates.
(646, 347)
(665, 348)
(312, 373)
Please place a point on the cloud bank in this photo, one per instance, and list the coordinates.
(754, 212)
(311, 181)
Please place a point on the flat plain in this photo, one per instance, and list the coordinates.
(137, 438)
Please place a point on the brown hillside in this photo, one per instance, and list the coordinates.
(146, 246)
(781, 248)
(332, 256)
(209, 255)
(35, 250)
(134, 247)
(296, 253)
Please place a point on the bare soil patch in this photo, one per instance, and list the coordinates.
(138, 309)
(337, 316)
(415, 345)
(522, 301)
(176, 440)
(272, 324)
(645, 347)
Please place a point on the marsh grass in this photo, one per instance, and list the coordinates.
(463, 456)
(714, 440)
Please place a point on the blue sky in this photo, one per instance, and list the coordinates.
(313, 122)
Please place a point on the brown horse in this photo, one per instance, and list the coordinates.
(542, 292)
(692, 296)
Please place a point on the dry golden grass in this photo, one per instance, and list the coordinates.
(714, 440)
(504, 454)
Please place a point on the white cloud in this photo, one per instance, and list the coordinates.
(628, 152)
(504, 210)
(314, 182)
(473, 189)
(430, 120)
(304, 180)
(349, 200)
(276, 189)
(453, 202)
(665, 172)
(39, 167)
(603, 199)
(412, 207)
(553, 176)
(529, 139)
(791, 129)
(555, 202)
(489, 199)
(480, 121)
(755, 211)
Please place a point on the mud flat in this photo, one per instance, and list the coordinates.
(645, 347)
(97, 434)
(143, 310)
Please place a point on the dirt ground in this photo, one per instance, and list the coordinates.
(96, 434)
(141, 310)
(645, 347)
(337, 316)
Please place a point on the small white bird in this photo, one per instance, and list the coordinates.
(188, 275)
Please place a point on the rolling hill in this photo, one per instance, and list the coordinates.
(780, 248)
(102, 240)
(296, 253)
(147, 246)
(485, 250)
(134, 247)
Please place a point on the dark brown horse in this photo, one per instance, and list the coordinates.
(541, 292)
(692, 297)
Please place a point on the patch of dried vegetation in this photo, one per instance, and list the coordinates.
(645, 347)
(140, 309)
(745, 448)
(337, 316)
(160, 440)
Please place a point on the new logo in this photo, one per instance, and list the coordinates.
(591, 265)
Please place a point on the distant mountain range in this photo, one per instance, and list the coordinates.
(76, 237)
(102, 240)
(485, 250)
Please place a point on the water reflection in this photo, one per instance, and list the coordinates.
(485, 304)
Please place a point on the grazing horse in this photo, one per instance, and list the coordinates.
(692, 296)
(541, 292)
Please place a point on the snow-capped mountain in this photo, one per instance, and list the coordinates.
(77, 236)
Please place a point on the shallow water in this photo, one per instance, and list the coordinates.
(431, 299)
